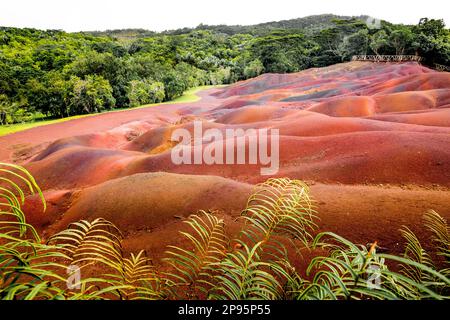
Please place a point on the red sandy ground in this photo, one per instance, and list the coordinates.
(372, 140)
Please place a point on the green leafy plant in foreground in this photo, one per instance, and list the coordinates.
(279, 220)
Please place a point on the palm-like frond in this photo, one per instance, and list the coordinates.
(24, 272)
(415, 252)
(409, 288)
(280, 207)
(98, 242)
(193, 268)
(28, 271)
(353, 272)
(137, 268)
(441, 233)
(243, 275)
(140, 276)
(31, 270)
(85, 242)
(344, 273)
(13, 180)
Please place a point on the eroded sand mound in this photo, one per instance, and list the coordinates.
(149, 200)
(361, 124)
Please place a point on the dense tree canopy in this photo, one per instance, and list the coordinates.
(58, 74)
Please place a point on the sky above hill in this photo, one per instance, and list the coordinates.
(159, 15)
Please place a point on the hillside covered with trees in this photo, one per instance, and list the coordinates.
(57, 74)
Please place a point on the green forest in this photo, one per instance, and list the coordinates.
(55, 74)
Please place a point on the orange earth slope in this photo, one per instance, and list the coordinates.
(372, 139)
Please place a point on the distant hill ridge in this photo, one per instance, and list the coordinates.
(307, 24)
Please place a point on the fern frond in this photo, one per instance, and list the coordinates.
(347, 271)
(28, 271)
(441, 233)
(279, 207)
(415, 252)
(193, 268)
(85, 242)
(243, 275)
(141, 278)
(412, 289)
(26, 266)
(12, 197)
(343, 273)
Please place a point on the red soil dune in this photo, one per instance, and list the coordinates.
(372, 138)
(160, 198)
